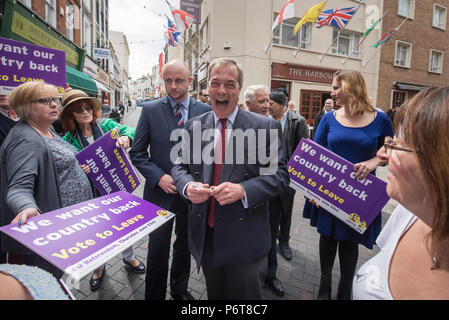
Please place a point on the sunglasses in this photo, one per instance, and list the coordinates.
(48, 101)
(390, 144)
(81, 110)
(204, 95)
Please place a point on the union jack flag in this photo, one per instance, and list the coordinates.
(337, 18)
(171, 35)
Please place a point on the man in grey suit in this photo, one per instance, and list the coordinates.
(229, 229)
(158, 120)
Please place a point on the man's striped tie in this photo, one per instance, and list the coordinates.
(178, 116)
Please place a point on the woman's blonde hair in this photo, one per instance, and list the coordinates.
(20, 97)
(353, 86)
(423, 123)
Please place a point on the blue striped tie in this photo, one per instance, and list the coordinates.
(178, 116)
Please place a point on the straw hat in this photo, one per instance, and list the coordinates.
(69, 97)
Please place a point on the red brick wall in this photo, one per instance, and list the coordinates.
(423, 37)
(38, 6)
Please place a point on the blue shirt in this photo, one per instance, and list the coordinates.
(184, 107)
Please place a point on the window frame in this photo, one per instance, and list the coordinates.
(441, 26)
(352, 43)
(304, 31)
(431, 51)
(52, 4)
(411, 9)
(409, 56)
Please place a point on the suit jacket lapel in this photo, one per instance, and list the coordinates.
(168, 115)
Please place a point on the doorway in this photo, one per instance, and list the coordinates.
(311, 103)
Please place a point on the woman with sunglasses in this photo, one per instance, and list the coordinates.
(39, 172)
(356, 131)
(81, 120)
(413, 263)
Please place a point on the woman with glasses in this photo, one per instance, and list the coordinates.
(355, 132)
(413, 262)
(81, 120)
(39, 172)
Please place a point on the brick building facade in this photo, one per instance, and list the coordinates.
(416, 55)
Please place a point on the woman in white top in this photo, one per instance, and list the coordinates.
(414, 259)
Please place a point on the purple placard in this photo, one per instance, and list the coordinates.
(22, 62)
(80, 238)
(110, 168)
(328, 178)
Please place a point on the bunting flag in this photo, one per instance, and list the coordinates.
(311, 15)
(171, 35)
(183, 20)
(161, 63)
(368, 31)
(287, 12)
(337, 18)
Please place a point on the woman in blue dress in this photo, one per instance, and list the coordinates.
(355, 132)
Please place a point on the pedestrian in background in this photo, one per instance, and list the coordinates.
(81, 120)
(8, 119)
(256, 99)
(204, 96)
(413, 262)
(355, 132)
(328, 107)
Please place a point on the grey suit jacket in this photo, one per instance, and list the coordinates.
(241, 235)
(150, 151)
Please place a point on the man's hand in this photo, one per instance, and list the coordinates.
(166, 184)
(24, 215)
(227, 193)
(198, 192)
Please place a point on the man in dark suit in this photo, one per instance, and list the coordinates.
(157, 121)
(229, 230)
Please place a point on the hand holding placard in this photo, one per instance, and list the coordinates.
(328, 179)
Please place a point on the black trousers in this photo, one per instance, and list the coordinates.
(159, 252)
(275, 206)
(286, 216)
(242, 281)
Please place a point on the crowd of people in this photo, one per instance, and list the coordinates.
(231, 215)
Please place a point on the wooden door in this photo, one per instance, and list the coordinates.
(311, 103)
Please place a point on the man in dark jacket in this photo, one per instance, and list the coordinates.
(294, 128)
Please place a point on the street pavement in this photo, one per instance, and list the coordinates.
(300, 276)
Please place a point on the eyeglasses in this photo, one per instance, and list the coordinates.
(48, 101)
(390, 144)
(204, 95)
(80, 110)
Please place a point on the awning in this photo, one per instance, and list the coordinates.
(81, 81)
(102, 87)
(409, 87)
